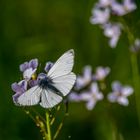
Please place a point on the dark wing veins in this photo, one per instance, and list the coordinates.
(55, 90)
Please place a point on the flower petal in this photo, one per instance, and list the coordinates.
(116, 86)
(15, 87)
(87, 72)
(24, 66)
(85, 96)
(100, 16)
(112, 97)
(19, 87)
(15, 97)
(127, 91)
(117, 8)
(28, 73)
(90, 104)
(94, 88)
(33, 63)
(74, 97)
(99, 96)
(80, 83)
(101, 72)
(123, 101)
(33, 83)
(48, 66)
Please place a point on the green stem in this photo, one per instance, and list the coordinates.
(60, 127)
(135, 69)
(48, 125)
(136, 81)
(58, 130)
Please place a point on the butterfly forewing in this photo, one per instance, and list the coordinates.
(62, 77)
(63, 65)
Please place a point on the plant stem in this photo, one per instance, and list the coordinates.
(41, 125)
(60, 127)
(135, 69)
(48, 125)
(136, 81)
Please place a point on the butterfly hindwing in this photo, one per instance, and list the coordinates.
(64, 83)
(49, 98)
(30, 97)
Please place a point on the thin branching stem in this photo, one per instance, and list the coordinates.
(38, 114)
(53, 118)
(42, 128)
(30, 115)
(59, 127)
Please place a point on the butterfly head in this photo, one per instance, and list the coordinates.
(41, 76)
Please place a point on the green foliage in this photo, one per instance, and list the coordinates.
(45, 30)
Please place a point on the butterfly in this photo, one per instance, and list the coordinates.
(53, 86)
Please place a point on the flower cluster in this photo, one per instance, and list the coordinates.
(90, 87)
(102, 13)
(30, 77)
(87, 86)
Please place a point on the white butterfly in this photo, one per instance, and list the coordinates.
(53, 86)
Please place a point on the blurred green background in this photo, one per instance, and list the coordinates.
(45, 29)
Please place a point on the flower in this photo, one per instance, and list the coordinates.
(112, 31)
(124, 8)
(33, 83)
(136, 46)
(129, 6)
(105, 3)
(48, 66)
(100, 16)
(120, 93)
(84, 80)
(29, 68)
(101, 73)
(91, 97)
(19, 88)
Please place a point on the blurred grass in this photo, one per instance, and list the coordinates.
(44, 30)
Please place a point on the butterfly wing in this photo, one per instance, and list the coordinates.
(64, 83)
(30, 97)
(49, 98)
(62, 77)
(63, 65)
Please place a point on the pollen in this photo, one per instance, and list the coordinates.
(34, 76)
